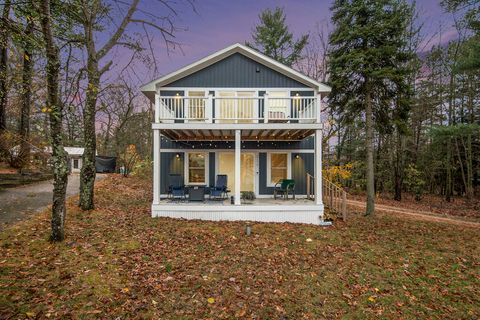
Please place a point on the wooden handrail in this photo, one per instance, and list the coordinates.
(334, 197)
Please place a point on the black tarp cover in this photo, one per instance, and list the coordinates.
(104, 164)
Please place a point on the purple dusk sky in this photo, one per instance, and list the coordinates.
(219, 23)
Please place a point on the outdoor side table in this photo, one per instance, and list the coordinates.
(196, 193)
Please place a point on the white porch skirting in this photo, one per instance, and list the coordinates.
(310, 214)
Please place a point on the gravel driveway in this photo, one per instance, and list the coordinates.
(19, 203)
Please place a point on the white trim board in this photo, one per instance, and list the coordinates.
(150, 88)
(310, 214)
(237, 126)
(237, 89)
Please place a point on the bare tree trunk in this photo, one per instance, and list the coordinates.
(59, 156)
(24, 129)
(370, 209)
(87, 176)
(399, 166)
(4, 35)
(468, 147)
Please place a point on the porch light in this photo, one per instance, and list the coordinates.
(177, 155)
(297, 156)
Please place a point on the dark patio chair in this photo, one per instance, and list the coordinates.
(219, 191)
(176, 187)
(283, 188)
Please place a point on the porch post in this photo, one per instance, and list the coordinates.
(237, 166)
(318, 167)
(156, 166)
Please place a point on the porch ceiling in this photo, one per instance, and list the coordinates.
(229, 134)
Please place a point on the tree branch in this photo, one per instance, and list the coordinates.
(121, 29)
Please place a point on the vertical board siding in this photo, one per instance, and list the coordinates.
(262, 174)
(170, 164)
(300, 167)
(211, 168)
(237, 71)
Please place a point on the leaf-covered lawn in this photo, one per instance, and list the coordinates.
(118, 262)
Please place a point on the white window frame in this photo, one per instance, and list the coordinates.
(269, 167)
(186, 169)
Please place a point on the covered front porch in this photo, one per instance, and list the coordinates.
(300, 210)
(235, 157)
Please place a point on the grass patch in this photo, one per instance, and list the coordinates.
(118, 262)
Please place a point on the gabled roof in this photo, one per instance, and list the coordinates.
(74, 151)
(149, 89)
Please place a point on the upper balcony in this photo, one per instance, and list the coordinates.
(240, 109)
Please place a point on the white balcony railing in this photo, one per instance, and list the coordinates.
(261, 109)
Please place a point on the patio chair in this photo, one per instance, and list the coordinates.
(219, 191)
(283, 187)
(176, 187)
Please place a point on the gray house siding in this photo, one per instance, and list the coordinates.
(262, 175)
(237, 71)
(300, 167)
(170, 164)
(211, 168)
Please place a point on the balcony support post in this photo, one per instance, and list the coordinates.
(265, 108)
(156, 166)
(157, 108)
(318, 167)
(318, 109)
(238, 136)
(209, 109)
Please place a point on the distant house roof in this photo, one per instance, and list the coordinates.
(71, 151)
(74, 151)
(149, 89)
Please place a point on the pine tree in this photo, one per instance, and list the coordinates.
(369, 68)
(272, 38)
(470, 58)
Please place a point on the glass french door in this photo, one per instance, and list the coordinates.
(226, 165)
(241, 108)
(195, 106)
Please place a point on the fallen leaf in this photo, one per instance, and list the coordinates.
(210, 300)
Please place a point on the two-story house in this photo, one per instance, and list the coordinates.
(244, 116)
